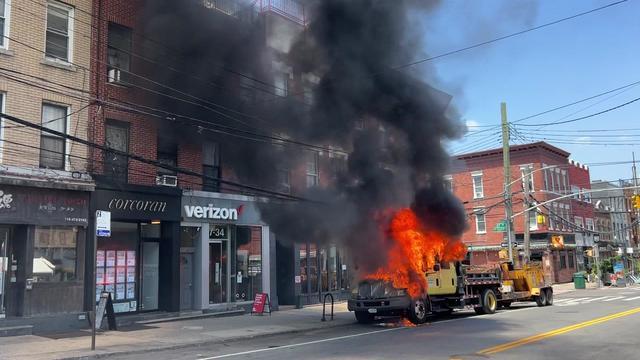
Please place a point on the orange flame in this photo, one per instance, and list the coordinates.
(415, 250)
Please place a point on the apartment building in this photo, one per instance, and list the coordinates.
(477, 180)
(44, 184)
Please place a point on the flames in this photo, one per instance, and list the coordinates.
(413, 250)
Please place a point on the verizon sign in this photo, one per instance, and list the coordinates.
(212, 212)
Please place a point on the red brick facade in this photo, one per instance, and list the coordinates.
(550, 179)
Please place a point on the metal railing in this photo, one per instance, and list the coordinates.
(290, 9)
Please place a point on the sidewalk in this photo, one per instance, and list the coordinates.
(569, 287)
(142, 338)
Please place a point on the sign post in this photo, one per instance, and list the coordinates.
(259, 303)
(103, 228)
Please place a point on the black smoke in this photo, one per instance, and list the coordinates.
(396, 160)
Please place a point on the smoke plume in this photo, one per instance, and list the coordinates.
(395, 160)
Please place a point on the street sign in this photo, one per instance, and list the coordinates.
(501, 226)
(103, 223)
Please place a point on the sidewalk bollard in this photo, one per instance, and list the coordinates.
(324, 304)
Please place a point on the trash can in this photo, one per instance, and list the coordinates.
(578, 281)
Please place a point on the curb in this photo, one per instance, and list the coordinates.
(198, 343)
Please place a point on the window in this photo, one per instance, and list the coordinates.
(211, 166)
(4, 22)
(571, 262)
(248, 263)
(53, 147)
(589, 223)
(565, 182)
(116, 166)
(59, 30)
(586, 195)
(533, 220)
(546, 177)
(338, 164)
(359, 124)
(576, 192)
(527, 170)
(448, 182)
(563, 261)
(312, 169)
(118, 53)
(55, 253)
(481, 225)
(478, 188)
(284, 180)
(281, 84)
(579, 222)
(167, 154)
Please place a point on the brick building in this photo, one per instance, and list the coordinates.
(44, 185)
(477, 180)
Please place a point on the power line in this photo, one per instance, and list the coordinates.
(584, 117)
(508, 36)
(147, 161)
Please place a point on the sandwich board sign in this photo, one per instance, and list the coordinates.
(103, 223)
(261, 302)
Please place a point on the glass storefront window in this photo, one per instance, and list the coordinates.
(248, 269)
(328, 265)
(55, 253)
(117, 266)
(303, 269)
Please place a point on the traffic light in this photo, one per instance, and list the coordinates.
(635, 201)
(540, 219)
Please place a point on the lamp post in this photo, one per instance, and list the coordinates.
(596, 253)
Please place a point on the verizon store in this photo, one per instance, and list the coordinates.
(224, 251)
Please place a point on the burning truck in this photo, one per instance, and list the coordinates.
(425, 276)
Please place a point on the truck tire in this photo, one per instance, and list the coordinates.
(541, 299)
(364, 317)
(418, 312)
(549, 294)
(488, 302)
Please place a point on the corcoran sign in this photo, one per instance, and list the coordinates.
(137, 206)
(212, 212)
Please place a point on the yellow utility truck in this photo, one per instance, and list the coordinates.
(453, 285)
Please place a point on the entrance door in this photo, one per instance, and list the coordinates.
(218, 272)
(4, 267)
(150, 275)
(186, 281)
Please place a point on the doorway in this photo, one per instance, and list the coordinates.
(150, 275)
(186, 281)
(4, 269)
(218, 272)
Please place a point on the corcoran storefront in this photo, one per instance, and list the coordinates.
(42, 246)
(224, 252)
(139, 262)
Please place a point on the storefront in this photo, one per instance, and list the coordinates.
(224, 251)
(139, 262)
(42, 246)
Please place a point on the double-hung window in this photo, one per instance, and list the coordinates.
(478, 187)
(5, 10)
(481, 223)
(59, 31)
(448, 182)
(312, 169)
(118, 53)
(211, 166)
(53, 148)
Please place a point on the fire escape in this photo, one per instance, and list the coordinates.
(292, 10)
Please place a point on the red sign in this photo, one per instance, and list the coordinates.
(259, 303)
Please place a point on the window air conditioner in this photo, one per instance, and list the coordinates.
(114, 75)
(167, 180)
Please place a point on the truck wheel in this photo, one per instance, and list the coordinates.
(488, 302)
(418, 312)
(364, 317)
(549, 294)
(541, 299)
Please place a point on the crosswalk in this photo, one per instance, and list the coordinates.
(587, 300)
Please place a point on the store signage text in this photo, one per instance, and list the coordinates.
(139, 205)
(211, 212)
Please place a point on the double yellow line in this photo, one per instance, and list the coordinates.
(552, 333)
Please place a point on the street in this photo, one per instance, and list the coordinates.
(565, 330)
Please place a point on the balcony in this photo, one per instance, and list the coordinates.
(289, 9)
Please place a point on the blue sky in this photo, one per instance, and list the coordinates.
(541, 70)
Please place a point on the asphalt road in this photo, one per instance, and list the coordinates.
(595, 324)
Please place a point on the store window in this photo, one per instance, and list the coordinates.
(308, 268)
(55, 254)
(329, 267)
(563, 261)
(571, 260)
(117, 266)
(248, 271)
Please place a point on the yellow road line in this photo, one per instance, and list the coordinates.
(548, 334)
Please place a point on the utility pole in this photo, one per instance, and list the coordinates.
(508, 211)
(636, 210)
(527, 214)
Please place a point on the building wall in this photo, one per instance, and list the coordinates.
(30, 79)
